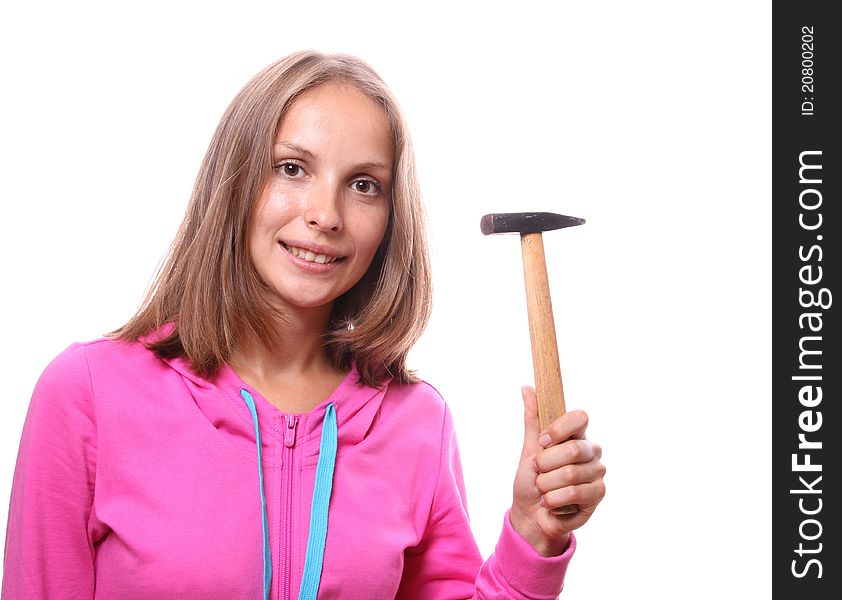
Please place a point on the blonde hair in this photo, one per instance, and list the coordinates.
(208, 287)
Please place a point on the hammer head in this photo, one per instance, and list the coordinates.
(534, 222)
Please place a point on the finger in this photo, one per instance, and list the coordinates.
(569, 425)
(531, 425)
(570, 475)
(567, 453)
(585, 495)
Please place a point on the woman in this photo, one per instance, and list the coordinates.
(253, 429)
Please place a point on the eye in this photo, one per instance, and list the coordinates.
(366, 186)
(289, 169)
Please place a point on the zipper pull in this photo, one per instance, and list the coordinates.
(289, 436)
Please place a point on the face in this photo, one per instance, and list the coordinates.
(325, 208)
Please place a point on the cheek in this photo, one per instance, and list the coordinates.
(271, 213)
(260, 232)
(370, 230)
(377, 230)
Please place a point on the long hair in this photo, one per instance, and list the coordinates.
(208, 287)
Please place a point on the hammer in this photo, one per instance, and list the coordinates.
(548, 387)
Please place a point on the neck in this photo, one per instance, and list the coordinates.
(296, 347)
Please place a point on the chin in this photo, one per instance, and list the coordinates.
(313, 305)
(305, 302)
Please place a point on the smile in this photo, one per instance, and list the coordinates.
(309, 256)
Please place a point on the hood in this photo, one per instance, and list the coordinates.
(220, 401)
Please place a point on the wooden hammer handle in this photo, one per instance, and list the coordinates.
(548, 386)
(542, 330)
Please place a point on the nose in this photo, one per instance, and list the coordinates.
(322, 211)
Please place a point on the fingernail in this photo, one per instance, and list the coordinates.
(545, 440)
(542, 503)
(535, 465)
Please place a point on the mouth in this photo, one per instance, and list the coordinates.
(310, 256)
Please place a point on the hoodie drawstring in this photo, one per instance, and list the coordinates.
(319, 507)
(314, 558)
(267, 552)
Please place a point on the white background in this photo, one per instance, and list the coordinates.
(649, 119)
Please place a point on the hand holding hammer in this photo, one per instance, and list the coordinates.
(548, 386)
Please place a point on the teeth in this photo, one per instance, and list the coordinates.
(321, 259)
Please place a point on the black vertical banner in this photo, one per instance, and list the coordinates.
(806, 365)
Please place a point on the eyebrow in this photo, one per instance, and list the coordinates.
(297, 148)
(307, 153)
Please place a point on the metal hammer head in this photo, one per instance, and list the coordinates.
(534, 222)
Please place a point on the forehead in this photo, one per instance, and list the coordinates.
(336, 114)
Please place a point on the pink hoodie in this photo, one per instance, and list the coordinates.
(138, 479)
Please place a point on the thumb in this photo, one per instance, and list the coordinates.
(531, 427)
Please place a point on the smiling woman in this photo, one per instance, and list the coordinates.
(253, 431)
